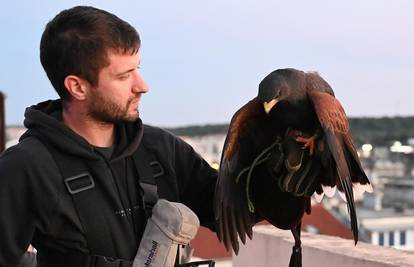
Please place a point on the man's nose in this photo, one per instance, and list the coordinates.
(139, 86)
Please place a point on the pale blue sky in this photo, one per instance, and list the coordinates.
(204, 59)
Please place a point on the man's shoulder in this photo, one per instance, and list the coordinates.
(27, 152)
(159, 138)
(157, 134)
(162, 140)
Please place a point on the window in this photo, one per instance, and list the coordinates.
(391, 238)
(381, 239)
(402, 238)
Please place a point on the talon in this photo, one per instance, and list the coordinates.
(308, 142)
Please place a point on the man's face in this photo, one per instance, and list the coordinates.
(118, 93)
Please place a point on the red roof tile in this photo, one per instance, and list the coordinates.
(326, 223)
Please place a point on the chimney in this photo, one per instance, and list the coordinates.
(2, 124)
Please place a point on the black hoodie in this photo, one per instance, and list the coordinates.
(36, 207)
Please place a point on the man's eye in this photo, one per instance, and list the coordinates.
(124, 77)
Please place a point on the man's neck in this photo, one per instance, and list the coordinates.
(96, 133)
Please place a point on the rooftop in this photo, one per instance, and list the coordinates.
(272, 247)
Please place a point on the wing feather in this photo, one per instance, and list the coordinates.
(334, 123)
(230, 203)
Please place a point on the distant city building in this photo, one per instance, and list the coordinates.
(398, 192)
(388, 227)
(208, 146)
(13, 134)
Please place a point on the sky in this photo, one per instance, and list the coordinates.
(203, 60)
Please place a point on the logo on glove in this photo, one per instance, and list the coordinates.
(152, 254)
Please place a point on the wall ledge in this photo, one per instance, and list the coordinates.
(272, 247)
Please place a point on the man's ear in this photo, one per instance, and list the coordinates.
(77, 87)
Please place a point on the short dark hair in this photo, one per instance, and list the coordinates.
(77, 42)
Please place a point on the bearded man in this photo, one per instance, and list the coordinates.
(76, 186)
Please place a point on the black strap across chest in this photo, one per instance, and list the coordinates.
(80, 184)
(148, 168)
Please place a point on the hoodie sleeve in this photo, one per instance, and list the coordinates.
(196, 181)
(24, 203)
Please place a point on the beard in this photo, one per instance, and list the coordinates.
(107, 111)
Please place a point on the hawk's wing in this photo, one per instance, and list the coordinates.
(231, 209)
(336, 133)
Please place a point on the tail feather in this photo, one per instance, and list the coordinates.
(336, 145)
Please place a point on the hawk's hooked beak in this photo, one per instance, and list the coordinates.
(269, 105)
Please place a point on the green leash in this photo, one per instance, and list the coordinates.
(256, 162)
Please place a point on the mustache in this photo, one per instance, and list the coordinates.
(131, 99)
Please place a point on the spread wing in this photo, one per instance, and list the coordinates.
(336, 134)
(230, 203)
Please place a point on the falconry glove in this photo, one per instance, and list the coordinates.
(293, 167)
(170, 225)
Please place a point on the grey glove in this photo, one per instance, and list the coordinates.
(170, 225)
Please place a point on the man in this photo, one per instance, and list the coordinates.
(74, 186)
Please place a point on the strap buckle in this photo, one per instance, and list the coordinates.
(78, 183)
(157, 169)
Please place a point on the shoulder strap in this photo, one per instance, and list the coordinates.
(148, 168)
(81, 186)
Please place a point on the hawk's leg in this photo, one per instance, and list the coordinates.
(309, 142)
